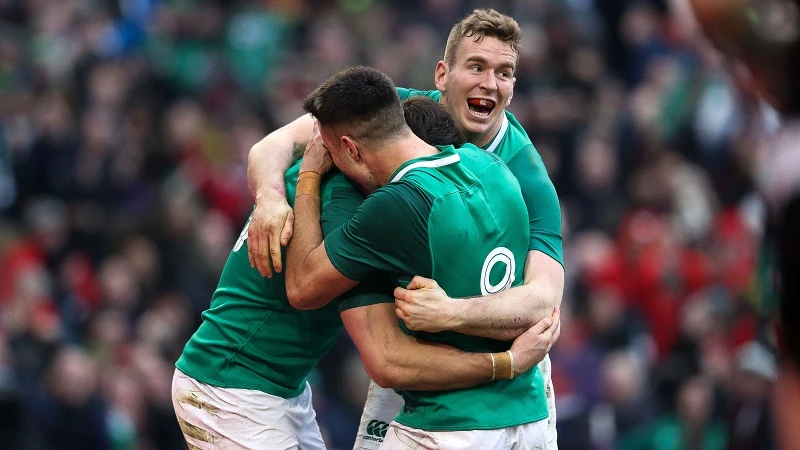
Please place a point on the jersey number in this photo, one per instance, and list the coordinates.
(496, 256)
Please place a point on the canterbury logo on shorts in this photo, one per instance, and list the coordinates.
(376, 430)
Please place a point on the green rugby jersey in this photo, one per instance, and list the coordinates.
(251, 337)
(514, 147)
(457, 217)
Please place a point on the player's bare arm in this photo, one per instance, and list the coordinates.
(424, 306)
(311, 279)
(396, 360)
(272, 220)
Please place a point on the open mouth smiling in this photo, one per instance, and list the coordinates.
(480, 107)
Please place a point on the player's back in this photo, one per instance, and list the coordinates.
(476, 227)
(251, 337)
(477, 231)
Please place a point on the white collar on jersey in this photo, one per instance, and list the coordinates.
(496, 141)
(430, 163)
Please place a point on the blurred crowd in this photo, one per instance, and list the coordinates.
(124, 132)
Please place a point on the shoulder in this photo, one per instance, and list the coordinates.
(405, 191)
(340, 201)
(515, 130)
(405, 93)
(478, 161)
(470, 151)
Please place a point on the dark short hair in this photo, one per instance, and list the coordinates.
(360, 102)
(431, 122)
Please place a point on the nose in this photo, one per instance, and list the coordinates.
(489, 81)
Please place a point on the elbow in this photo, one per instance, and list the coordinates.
(551, 305)
(545, 309)
(543, 301)
(387, 377)
(256, 149)
(301, 303)
(382, 380)
(382, 372)
(298, 295)
(555, 296)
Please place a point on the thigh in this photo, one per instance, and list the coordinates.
(534, 436)
(310, 437)
(380, 409)
(402, 437)
(550, 393)
(217, 418)
(195, 413)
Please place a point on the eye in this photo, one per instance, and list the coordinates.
(475, 68)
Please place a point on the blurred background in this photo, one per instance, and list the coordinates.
(124, 132)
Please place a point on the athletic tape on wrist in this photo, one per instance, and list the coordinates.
(308, 183)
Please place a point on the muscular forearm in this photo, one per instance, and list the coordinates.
(307, 237)
(311, 279)
(507, 314)
(430, 366)
(396, 360)
(269, 158)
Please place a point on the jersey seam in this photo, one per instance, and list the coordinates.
(476, 182)
(236, 352)
(435, 199)
(425, 164)
(338, 267)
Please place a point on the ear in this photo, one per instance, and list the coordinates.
(352, 148)
(513, 84)
(440, 76)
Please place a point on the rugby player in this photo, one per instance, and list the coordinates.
(241, 380)
(475, 80)
(428, 216)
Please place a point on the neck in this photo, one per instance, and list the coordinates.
(483, 139)
(391, 156)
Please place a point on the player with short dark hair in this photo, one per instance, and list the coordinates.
(428, 120)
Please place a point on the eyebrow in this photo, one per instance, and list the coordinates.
(482, 60)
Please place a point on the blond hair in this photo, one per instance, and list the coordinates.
(479, 24)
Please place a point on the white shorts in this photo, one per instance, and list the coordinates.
(380, 409)
(222, 418)
(383, 405)
(528, 436)
(550, 394)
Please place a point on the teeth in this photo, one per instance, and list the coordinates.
(486, 103)
(479, 113)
